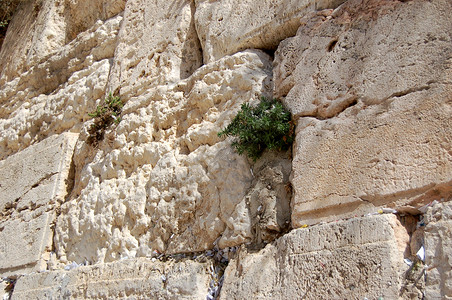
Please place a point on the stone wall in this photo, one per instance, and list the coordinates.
(162, 207)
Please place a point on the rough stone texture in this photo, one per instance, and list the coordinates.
(226, 27)
(41, 28)
(35, 32)
(349, 259)
(368, 83)
(57, 94)
(438, 245)
(80, 15)
(33, 183)
(373, 107)
(127, 279)
(157, 45)
(164, 180)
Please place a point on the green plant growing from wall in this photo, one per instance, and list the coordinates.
(266, 126)
(104, 116)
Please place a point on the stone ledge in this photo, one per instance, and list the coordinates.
(132, 279)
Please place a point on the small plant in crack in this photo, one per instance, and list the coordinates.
(266, 126)
(104, 116)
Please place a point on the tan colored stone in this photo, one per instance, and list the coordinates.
(373, 113)
(23, 241)
(37, 176)
(80, 15)
(157, 45)
(162, 179)
(57, 94)
(33, 182)
(226, 27)
(350, 259)
(131, 279)
(35, 32)
(40, 29)
(438, 251)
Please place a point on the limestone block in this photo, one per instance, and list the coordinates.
(438, 255)
(131, 279)
(352, 259)
(226, 27)
(40, 29)
(24, 240)
(43, 167)
(57, 94)
(157, 45)
(80, 15)
(35, 32)
(163, 180)
(369, 85)
(32, 182)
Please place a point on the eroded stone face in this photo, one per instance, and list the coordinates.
(438, 245)
(33, 183)
(350, 259)
(132, 278)
(158, 45)
(373, 114)
(226, 27)
(164, 180)
(57, 95)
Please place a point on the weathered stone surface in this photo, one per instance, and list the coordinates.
(37, 176)
(41, 28)
(158, 45)
(24, 242)
(438, 255)
(81, 15)
(35, 32)
(131, 279)
(56, 95)
(33, 182)
(373, 113)
(226, 27)
(164, 180)
(350, 259)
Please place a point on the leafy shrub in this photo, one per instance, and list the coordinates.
(268, 125)
(105, 115)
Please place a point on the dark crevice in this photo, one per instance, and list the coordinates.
(192, 53)
(409, 91)
(46, 177)
(332, 45)
(270, 52)
(9, 289)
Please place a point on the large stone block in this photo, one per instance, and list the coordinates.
(131, 279)
(438, 255)
(32, 183)
(226, 27)
(157, 45)
(57, 94)
(164, 180)
(369, 85)
(354, 259)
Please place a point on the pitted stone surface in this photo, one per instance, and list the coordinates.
(373, 114)
(164, 180)
(157, 45)
(352, 259)
(226, 27)
(438, 255)
(33, 183)
(127, 279)
(57, 94)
